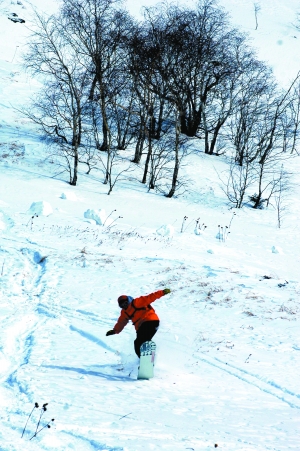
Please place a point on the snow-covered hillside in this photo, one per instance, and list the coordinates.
(227, 371)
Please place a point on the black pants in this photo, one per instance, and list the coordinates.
(146, 331)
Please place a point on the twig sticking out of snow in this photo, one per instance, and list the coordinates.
(247, 359)
(234, 214)
(183, 222)
(108, 217)
(199, 227)
(223, 233)
(36, 406)
(37, 430)
(31, 220)
(109, 227)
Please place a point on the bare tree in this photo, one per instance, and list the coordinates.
(60, 107)
(260, 131)
(150, 88)
(201, 66)
(271, 139)
(235, 90)
(161, 163)
(239, 179)
(97, 29)
(281, 195)
(122, 111)
(255, 84)
(293, 121)
(113, 167)
(257, 8)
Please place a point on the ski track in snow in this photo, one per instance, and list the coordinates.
(30, 292)
(269, 387)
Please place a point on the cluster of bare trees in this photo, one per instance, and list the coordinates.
(263, 132)
(113, 85)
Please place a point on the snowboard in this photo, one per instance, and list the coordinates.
(147, 360)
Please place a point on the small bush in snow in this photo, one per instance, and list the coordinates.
(257, 201)
(223, 233)
(199, 228)
(183, 224)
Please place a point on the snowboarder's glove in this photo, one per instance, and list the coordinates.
(110, 332)
(167, 291)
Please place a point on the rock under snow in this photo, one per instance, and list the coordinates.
(40, 208)
(166, 230)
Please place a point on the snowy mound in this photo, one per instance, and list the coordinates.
(166, 230)
(5, 221)
(2, 223)
(69, 195)
(276, 250)
(99, 216)
(40, 209)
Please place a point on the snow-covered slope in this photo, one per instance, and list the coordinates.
(228, 346)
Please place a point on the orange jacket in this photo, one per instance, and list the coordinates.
(138, 311)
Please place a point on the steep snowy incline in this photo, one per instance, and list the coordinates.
(222, 376)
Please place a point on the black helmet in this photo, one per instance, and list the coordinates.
(122, 299)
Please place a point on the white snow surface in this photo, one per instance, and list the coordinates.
(69, 195)
(228, 347)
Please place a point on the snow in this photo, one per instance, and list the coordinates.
(69, 195)
(227, 370)
(40, 208)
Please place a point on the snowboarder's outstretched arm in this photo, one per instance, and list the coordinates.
(120, 324)
(143, 301)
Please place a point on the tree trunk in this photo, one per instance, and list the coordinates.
(73, 180)
(215, 136)
(206, 141)
(104, 145)
(176, 166)
(160, 119)
(147, 159)
(138, 149)
(190, 124)
(258, 199)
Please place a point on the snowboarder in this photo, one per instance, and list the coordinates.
(142, 315)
